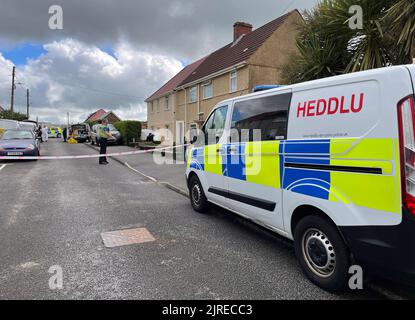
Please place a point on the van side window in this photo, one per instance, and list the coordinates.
(268, 114)
(215, 125)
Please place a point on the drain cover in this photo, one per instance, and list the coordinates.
(126, 237)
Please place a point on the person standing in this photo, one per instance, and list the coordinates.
(104, 134)
(65, 134)
(39, 132)
(44, 134)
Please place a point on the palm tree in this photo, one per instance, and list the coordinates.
(370, 47)
(402, 18)
(328, 46)
(318, 55)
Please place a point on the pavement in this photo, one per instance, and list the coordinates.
(53, 214)
(153, 165)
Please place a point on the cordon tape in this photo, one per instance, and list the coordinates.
(128, 153)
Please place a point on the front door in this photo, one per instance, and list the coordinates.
(179, 133)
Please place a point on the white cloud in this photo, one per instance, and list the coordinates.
(80, 78)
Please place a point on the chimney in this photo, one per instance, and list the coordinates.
(240, 28)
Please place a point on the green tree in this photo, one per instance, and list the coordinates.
(7, 114)
(327, 45)
(318, 54)
(402, 17)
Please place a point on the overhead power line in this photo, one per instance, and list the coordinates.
(103, 91)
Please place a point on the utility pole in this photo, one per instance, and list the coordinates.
(13, 87)
(27, 103)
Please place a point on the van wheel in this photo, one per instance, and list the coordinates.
(322, 253)
(92, 142)
(197, 195)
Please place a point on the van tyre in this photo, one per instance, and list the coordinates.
(322, 253)
(197, 195)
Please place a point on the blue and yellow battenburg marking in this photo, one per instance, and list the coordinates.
(263, 163)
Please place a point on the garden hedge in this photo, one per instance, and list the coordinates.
(130, 131)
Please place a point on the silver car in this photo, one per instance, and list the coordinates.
(93, 135)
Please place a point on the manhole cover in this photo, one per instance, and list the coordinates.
(126, 237)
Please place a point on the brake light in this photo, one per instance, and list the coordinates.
(406, 120)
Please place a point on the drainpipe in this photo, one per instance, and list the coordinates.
(198, 101)
(173, 116)
(185, 111)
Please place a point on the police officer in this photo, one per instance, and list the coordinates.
(104, 134)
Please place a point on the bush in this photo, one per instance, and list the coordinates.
(129, 130)
(7, 114)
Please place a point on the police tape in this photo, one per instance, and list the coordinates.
(88, 156)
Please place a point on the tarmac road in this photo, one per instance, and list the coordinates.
(53, 213)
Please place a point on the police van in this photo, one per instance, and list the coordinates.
(329, 164)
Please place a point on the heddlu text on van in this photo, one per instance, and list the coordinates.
(331, 106)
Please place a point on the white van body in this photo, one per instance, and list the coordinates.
(334, 148)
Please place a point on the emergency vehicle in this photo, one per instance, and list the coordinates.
(329, 164)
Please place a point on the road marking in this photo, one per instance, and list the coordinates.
(161, 183)
(2, 167)
(139, 172)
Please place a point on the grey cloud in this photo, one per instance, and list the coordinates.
(186, 29)
(80, 78)
(148, 38)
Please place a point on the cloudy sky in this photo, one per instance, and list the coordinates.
(112, 54)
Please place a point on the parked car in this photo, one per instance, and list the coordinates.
(55, 132)
(19, 142)
(80, 132)
(93, 134)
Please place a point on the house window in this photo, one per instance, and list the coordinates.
(156, 105)
(193, 94)
(233, 81)
(207, 89)
(151, 105)
(166, 103)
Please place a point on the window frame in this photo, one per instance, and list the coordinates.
(190, 94)
(207, 84)
(166, 103)
(233, 75)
